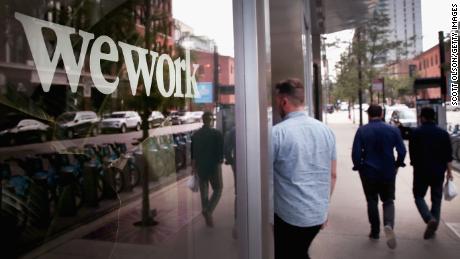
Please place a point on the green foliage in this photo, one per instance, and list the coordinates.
(370, 45)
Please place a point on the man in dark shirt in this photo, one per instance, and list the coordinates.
(207, 157)
(430, 153)
(373, 157)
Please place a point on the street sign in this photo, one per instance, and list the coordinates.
(206, 93)
(377, 84)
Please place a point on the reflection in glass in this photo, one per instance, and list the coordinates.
(113, 160)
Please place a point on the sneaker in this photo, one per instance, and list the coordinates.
(430, 229)
(374, 236)
(391, 238)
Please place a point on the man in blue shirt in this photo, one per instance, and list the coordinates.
(430, 153)
(304, 167)
(373, 157)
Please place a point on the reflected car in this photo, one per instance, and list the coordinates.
(80, 123)
(197, 116)
(156, 119)
(26, 131)
(121, 121)
(181, 117)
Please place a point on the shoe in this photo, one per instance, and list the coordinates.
(430, 229)
(374, 236)
(391, 238)
(208, 219)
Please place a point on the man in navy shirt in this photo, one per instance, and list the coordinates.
(373, 157)
(430, 153)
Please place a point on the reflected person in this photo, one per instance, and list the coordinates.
(207, 157)
(304, 173)
(373, 157)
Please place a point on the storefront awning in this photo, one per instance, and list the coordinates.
(337, 15)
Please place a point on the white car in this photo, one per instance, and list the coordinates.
(344, 106)
(122, 121)
(197, 116)
(452, 108)
(79, 123)
(156, 119)
(390, 109)
(404, 117)
(365, 106)
(26, 130)
(186, 117)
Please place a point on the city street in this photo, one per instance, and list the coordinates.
(57, 145)
(183, 234)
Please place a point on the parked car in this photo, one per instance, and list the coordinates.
(196, 116)
(364, 106)
(450, 107)
(389, 110)
(27, 130)
(156, 119)
(80, 123)
(121, 121)
(343, 106)
(404, 117)
(405, 120)
(181, 117)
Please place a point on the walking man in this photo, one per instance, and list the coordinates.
(430, 153)
(207, 157)
(304, 173)
(373, 157)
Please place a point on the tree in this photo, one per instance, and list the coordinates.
(370, 44)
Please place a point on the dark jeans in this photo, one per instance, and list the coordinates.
(215, 180)
(292, 242)
(373, 189)
(420, 188)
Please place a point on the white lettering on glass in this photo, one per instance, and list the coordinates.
(46, 65)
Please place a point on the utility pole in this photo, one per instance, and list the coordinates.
(442, 66)
(216, 76)
(360, 79)
(147, 219)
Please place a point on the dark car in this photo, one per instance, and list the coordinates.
(26, 131)
(80, 123)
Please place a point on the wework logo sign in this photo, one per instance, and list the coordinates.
(46, 65)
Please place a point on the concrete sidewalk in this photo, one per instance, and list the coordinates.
(183, 234)
(346, 234)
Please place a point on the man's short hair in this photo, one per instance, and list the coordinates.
(428, 113)
(374, 110)
(293, 89)
(207, 117)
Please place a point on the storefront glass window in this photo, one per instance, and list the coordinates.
(108, 110)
